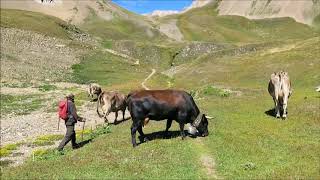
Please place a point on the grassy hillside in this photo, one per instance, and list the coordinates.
(246, 140)
(119, 28)
(108, 70)
(203, 24)
(316, 22)
(33, 21)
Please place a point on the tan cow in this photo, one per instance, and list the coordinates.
(94, 89)
(111, 102)
(280, 89)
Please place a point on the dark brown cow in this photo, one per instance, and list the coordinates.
(164, 104)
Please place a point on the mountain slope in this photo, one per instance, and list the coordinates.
(303, 11)
(205, 24)
(37, 22)
(101, 18)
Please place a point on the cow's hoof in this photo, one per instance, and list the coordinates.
(143, 139)
(134, 145)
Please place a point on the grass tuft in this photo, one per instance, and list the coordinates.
(47, 87)
(19, 104)
(47, 140)
(7, 149)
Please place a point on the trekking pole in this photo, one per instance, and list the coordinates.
(58, 122)
(84, 122)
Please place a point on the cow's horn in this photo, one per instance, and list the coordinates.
(209, 117)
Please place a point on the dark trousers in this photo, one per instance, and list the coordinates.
(70, 136)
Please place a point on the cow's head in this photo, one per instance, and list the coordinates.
(201, 124)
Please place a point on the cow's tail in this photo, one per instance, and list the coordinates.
(127, 100)
(99, 104)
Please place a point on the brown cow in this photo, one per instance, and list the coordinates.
(280, 89)
(111, 102)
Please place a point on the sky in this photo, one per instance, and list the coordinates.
(148, 6)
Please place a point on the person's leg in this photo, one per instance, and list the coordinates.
(69, 134)
(73, 138)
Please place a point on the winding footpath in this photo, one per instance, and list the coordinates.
(143, 84)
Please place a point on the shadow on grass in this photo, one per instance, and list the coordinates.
(270, 112)
(83, 143)
(163, 135)
(121, 121)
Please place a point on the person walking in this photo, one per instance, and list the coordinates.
(70, 122)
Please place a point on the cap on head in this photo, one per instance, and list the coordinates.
(70, 96)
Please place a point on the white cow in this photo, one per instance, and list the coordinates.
(280, 89)
(94, 89)
(111, 102)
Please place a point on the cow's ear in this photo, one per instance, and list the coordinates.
(204, 118)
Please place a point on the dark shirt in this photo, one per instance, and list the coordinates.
(72, 114)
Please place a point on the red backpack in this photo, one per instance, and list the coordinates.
(63, 109)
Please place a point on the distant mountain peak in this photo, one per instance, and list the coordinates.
(194, 4)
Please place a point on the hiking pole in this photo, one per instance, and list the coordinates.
(58, 122)
(84, 122)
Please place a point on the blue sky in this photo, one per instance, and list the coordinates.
(147, 6)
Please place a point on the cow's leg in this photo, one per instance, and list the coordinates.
(105, 116)
(116, 116)
(181, 124)
(134, 128)
(277, 107)
(169, 122)
(284, 106)
(142, 135)
(182, 116)
(123, 113)
(106, 120)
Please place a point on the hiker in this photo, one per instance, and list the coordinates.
(72, 118)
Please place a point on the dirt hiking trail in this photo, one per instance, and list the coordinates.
(143, 84)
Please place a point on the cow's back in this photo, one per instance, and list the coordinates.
(274, 84)
(285, 83)
(161, 104)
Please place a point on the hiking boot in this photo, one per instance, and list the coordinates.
(76, 146)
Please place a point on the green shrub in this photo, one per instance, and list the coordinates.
(47, 140)
(102, 129)
(7, 149)
(212, 90)
(107, 44)
(47, 87)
